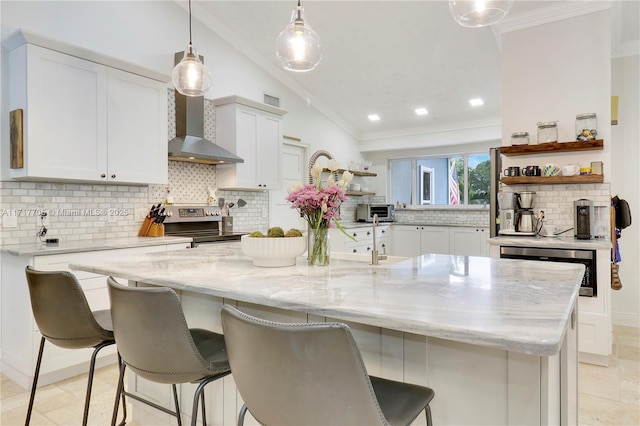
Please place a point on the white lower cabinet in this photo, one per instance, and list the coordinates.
(20, 334)
(465, 241)
(494, 386)
(415, 240)
(363, 239)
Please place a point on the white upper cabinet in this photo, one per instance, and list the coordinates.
(252, 131)
(137, 129)
(84, 121)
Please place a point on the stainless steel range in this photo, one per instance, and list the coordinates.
(204, 224)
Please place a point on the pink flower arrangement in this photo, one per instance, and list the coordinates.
(318, 204)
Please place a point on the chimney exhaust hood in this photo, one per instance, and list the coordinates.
(190, 144)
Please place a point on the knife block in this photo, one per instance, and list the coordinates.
(146, 226)
(156, 230)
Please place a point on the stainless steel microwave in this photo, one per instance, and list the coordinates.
(365, 212)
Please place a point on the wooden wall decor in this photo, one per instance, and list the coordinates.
(16, 139)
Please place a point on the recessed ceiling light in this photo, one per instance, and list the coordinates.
(476, 102)
(374, 117)
(421, 111)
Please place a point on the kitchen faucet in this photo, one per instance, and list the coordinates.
(375, 257)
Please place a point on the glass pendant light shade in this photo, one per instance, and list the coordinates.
(298, 46)
(479, 13)
(190, 77)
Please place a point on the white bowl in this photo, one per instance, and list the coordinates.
(273, 252)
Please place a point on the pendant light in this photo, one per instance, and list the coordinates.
(190, 77)
(479, 13)
(298, 46)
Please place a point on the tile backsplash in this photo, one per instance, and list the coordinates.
(75, 211)
(557, 203)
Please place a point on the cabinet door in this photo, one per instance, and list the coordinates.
(469, 241)
(137, 129)
(405, 240)
(434, 239)
(269, 137)
(247, 128)
(254, 136)
(64, 103)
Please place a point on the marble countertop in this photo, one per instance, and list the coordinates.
(42, 249)
(515, 305)
(556, 242)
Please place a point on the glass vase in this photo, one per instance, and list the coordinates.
(319, 248)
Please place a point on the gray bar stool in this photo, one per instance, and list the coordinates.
(312, 374)
(155, 342)
(65, 319)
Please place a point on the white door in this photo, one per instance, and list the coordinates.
(294, 170)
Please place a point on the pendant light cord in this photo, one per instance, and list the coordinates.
(190, 41)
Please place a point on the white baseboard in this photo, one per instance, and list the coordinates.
(628, 320)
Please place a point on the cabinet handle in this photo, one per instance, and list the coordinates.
(368, 248)
(103, 176)
(384, 245)
(113, 176)
(383, 231)
(368, 232)
(355, 251)
(355, 235)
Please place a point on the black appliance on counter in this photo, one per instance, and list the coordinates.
(583, 219)
(589, 286)
(204, 224)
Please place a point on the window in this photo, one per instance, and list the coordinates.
(449, 180)
(426, 184)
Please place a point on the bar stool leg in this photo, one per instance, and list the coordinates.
(35, 382)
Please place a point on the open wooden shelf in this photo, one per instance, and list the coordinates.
(549, 180)
(548, 147)
(353, 172)
(358, 193)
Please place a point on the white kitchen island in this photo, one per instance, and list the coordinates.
(495, 338)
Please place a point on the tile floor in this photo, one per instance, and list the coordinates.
(608, 396)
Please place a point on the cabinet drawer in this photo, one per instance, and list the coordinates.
(360, 234)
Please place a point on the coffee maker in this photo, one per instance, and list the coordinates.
(583, 219)
(508, 203)
(525, 218)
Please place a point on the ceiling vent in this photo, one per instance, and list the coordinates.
(272, 100)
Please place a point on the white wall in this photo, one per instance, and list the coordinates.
(544, 80)
(624, 182)
(148, 33)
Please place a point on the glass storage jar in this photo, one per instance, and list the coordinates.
(548, 132)
(586, 126)
(520, 138)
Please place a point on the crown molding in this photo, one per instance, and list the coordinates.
(550, 14)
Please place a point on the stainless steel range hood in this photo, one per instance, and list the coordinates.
(190, 144)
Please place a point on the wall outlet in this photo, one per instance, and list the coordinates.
(44, 220)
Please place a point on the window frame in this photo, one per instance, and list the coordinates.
(416, 190)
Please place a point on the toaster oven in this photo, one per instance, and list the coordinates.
(365, 212)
